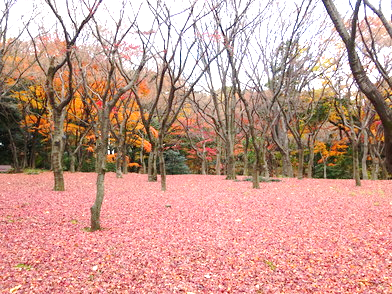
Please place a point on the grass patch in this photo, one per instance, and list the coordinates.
(32, 171)
(24, 266)
(270, 264)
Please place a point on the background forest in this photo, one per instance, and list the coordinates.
(210, 87)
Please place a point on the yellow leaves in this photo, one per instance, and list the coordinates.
(72, 129)
(337, 148)
(16, 288)
(76, 106)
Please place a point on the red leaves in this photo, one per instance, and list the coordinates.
(204, 235)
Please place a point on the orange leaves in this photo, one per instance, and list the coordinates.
(143, 89)
(154, 132)
(134, 164)
(337, 148)
(147, 146)
(111, 157)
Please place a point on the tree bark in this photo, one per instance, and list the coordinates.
(375, 163)
(120, 156)
(152, 164)
(256, 177)
(356, 173)
(101, 150)
(300, 162)
(311, 157)
(58, 149)
(14, 152)
(142, 162)
(218, 156)
(365, 155)
(162, 169)
(72, 162)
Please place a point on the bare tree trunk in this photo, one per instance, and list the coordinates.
(265, 163)
(230, 172)
(58, 149)
(120, 158)
(300, 162)
(230, 157)
(246, 163)
(162, 168)
(101, 170)
(203, 165)
(124, 161)
(256, 176)
(14, 152)
(375, 163)
(365, 155)
(286, 165)
(356, 173)
(311, 157)
(72, 161)
(152, 166)
(325, 169)
(218, 157)
(143, 163)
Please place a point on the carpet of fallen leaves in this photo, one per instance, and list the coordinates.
(204, 234)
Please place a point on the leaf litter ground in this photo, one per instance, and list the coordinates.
(204, 235)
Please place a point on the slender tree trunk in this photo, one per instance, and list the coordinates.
(58, 149)
(231, 175)
(246, 161)
(375, 163)
(325, 168)
(265, 163)
(81, 157)
(101, 170)
(300, 162)
(142, 162)
(218, 157)
(162, 168)
(120, 151)
(287, 166)
(256, 176)
(119, 161)
(311, 158)
(25, 152)
(356, 173)
(14, 152)
(124, 161)
(72, 161)
(230, 159)
(33, 148)
(365, 155)
(96, 208)
(203, 164)
(152, 164)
